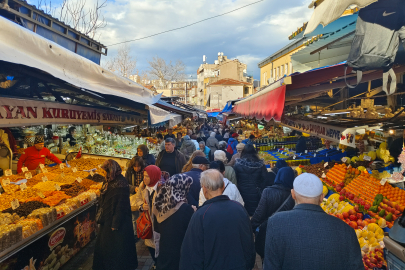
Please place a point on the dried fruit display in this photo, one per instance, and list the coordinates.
(46, 186)
(26, 208)
(73, 190)
(318, 169)
(87, 183)
(56, 198)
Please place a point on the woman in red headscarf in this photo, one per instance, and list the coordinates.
(115, 244)
(144, 199)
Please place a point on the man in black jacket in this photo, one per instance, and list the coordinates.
(170, 160)
(219, 235)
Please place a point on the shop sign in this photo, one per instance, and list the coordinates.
(17, 112)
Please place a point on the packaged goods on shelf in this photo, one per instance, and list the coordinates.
(46, 215)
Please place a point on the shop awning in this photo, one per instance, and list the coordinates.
(21, 46)
(332, 47)
(331, 10)
(158, 115)
(266, 105)
(171, 108)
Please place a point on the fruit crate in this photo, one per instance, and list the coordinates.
(393, 262)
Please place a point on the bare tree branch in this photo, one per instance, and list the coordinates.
(123, 63)
(166, 72)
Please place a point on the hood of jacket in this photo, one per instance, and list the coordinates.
(187, 143)
(186, 138)
(249, 163)
(231, 140)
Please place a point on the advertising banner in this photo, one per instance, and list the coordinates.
(54, 249)
(22, 112)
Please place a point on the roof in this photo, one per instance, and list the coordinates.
(286, 49)
(230, 82)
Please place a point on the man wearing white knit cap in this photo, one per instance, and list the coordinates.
(308, 238)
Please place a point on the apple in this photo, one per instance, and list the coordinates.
(397, 213)
(352, 212)
(385, 201)
(342, 192)
(352, 217)
(350, 196)
(347, 220)
(359, 216)
(345, 215)
(359, 222)
(373, 260)
(338, 188)
(353, 224)
(389, 203)
(356, 208)
(373, 220)
(397, 207)
(341, 198)
(367, 206)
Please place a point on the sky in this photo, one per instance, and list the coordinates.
(250, 34)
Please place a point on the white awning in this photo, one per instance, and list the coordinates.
(22, 46)
(331, 10)
(158, 115)
(333, 47)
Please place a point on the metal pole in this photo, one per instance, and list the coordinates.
(185, 102)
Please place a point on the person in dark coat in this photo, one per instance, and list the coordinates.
(272, 198)
(222, 147)
(279, 164)
(396, 148)
(173, 215)
(301, 144)
(187, 147)
(170, 160)
(134, 174)
(170, 134)
(219, 235)
(199, 164)
(143, 152)
(218, 136)
(115, 244)
(252, 177)
(306, 237)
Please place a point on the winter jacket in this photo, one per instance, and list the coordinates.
(180, 160)
(230, 174)
(253, 178)
(187, 148)
(134, 179)
(230, 190)
(149, 160)
(179, 143)
(233, 159)
(195, 143)
(212, 143)
(301, 145)
(219, 137)
(194, 192)
(207, 152)
(219, 236)
(233, 143)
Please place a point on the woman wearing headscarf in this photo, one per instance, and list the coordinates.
(279, 164)
(189, 164)
(115, 244)
(272, 198)
(172, 215)
(143, 152)
(187, 147)
(229, 171)
(144, 199)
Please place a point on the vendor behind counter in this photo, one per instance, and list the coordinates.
(35, 155)
(70, 136)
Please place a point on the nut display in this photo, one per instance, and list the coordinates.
(26, 208)
(73, 189)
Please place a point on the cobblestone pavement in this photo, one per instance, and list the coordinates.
(84, 259)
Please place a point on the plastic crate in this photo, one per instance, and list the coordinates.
(393, 262)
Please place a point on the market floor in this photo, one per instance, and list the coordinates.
(84, 259)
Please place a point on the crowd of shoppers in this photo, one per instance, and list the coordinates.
(216, 206)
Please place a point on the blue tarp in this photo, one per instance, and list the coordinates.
(213, 114)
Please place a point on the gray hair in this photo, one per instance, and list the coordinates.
(212, 134)
(195, 166)
(222, 144)
(170, 140)
(202, 142)
(212, 180)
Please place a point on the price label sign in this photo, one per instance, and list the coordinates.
(6, 182)
(323, 175)
(41, 195)
(338, 148)
(23, 186)
(62, 174)
(79, 179)
(42, 166)
(25, 145)
(61, 165)
(314, 154)
(326, 164)
(57, 187)
(74, 169)
(15, 204)
(306, 151)
(8, 172)
(28, 175)
(44, 179)
(24, 169)
(383, 181)
(294, 157)
(367, 158)
(344, 159)
(91, 173)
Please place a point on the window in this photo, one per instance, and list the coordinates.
(286, 69)
(264, 79)
(278, 72)
(246, 91)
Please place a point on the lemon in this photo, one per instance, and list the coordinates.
(372, 240)
(361, 240)
(382, 223)
(364, 234)
(383, 145)
(358, 233)
(370, 235)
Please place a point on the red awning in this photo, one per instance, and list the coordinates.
(267, 106)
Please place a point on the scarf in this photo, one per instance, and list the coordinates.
(113, 170)
(171, 195)
(285, 177)
(154, 174)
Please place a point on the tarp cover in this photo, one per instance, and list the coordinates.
(21, 46)
(267, 106)
(158, 115)
(331, 10)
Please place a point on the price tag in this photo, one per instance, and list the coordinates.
(61, 165)
(74, 169)
(44, 179)
(41, 195)
(42, 166)
(367, 158)
(344, 159)
(383, 181)
(15, 204)
(8, 172)
(25, 145)
(23, 186)
(306, 151)
(91, 173)
(326, 164)
(314, 154)
(44, 170)
(62, 174)
(382, 245)
(99, 166)
(294, 157)
(6, 182)
(79, 179)
(323, 175)
(24, 169)
(338, 148)
(57, 187)
(28, 175)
